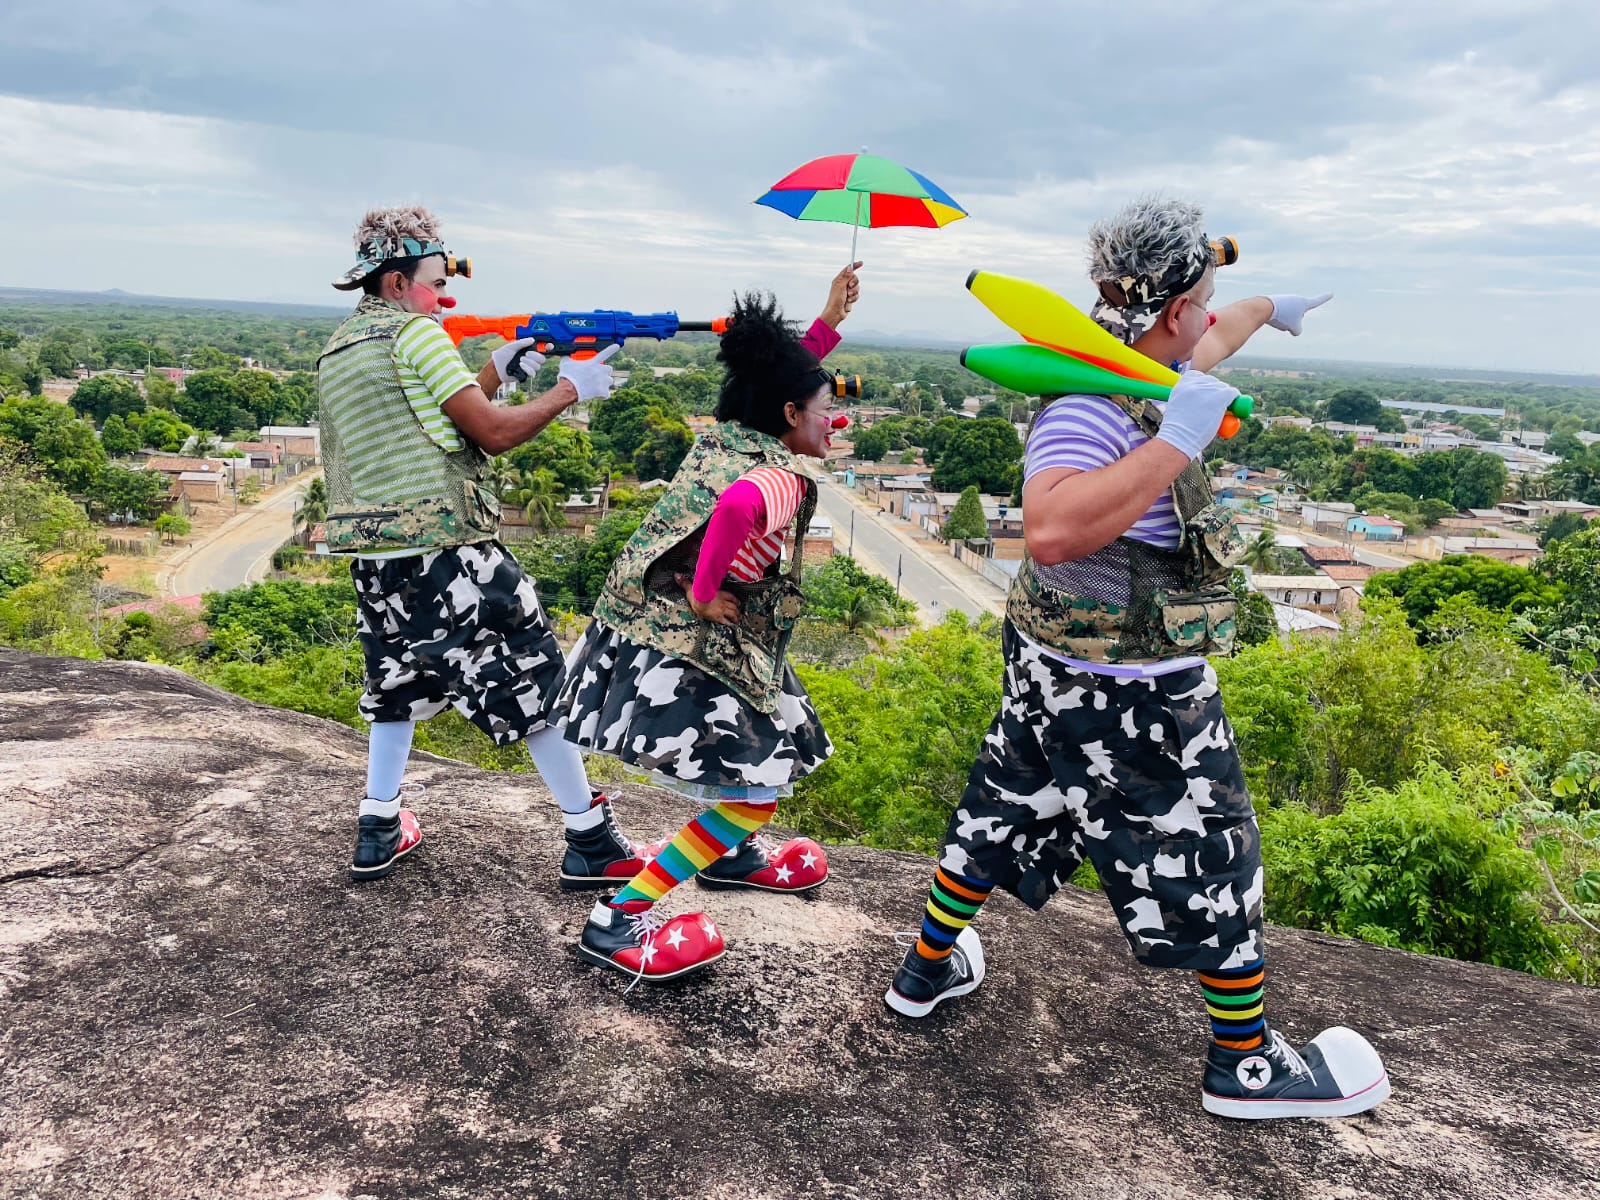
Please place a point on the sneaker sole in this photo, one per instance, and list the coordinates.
(730, 885)
(1344, 1106)
(908, 1007)
(595, 958)
(368, 874)
(591, 883)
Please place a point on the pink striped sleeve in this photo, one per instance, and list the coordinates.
(739, 513)
(781, 492)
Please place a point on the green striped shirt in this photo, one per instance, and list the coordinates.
(431, 371)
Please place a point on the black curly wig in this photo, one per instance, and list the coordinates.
(767, 367)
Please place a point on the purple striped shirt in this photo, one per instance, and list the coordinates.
(1086, 432)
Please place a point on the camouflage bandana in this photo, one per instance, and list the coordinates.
(377, 251)
(1144, 296)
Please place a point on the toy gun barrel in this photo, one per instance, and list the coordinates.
(718, 325)
(466, 326)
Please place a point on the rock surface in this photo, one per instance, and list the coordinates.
(194, 1002)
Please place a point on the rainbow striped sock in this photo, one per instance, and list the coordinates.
(953, 901)
(1234, 1002)
(698, 844)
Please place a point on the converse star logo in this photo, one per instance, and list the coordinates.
(784, 873)
(809, 859)
(1254, 1073)
(675, 937)
(707, 928)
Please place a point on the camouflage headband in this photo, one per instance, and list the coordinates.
(1129, 306)
(376, 251)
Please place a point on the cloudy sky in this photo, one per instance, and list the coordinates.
(1436, 165)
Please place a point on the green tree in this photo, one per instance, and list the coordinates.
(160, 391)
(1256, 619)
(1563, 524)
(1499, 587)
(871, 445)
(208, 400)
(1261, 554)
(117, 438)
(313, 506)
(259, 394)
(966, 519)
(172, 526)
(106, 395)
(834, 592)
(564, 451)
(297, 400)
(161, 429)
(1480, 479)
(665, 446)
(64, 446)
(281, 616)
(985, 453)
(543, 500)
(1354, 406)
(118, 491)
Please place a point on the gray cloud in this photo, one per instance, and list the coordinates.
(1435, 165)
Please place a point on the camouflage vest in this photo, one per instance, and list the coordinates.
(390, 486)
(1131, 602)
(642, 601)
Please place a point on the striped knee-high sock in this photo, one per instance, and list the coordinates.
(953, 901)
(698, 844)
(1234, 1002)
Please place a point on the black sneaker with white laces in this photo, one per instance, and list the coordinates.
(1338, 1074)
(921, 983)
(600, 856)
(383, 841)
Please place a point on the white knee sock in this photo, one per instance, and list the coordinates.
(387, 747)
(561, 764)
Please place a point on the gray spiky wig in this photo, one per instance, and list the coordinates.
(1152, 250)
(406, 231)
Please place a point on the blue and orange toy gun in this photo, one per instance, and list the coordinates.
(577, 334)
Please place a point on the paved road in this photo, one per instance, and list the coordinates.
(241, 551)
(880, 550)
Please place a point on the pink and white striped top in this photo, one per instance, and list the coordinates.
(781, 493)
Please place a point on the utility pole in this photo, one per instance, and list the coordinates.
(852, 551)
(899, 560)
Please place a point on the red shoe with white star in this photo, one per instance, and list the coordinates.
(797, 865)
(638, 941)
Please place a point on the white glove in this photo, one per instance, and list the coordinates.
(1194, 411)
(591, 376)
(517, 360)
(1289, 311)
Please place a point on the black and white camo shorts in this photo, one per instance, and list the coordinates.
(460, 625)
(1139, 776)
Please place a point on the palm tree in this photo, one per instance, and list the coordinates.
(1262, 553)
(313, 506)
(544, 500)
(500, 476)
(865, 613)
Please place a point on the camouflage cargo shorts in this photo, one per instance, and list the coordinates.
(461, 626)
(1139, 776)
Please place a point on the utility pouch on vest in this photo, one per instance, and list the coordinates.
(1199, 622)
(1214, 536)
(415, 523)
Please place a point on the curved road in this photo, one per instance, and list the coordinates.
(880, 550)
(241, 550)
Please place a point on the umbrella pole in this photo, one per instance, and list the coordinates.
(855, 229)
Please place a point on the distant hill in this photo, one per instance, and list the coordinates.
(116, 296)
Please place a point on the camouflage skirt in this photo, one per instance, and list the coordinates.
(666, 716)
(457, 626)
(1139, 776)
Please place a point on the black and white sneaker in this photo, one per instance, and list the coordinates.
(1338, 1074)
(921, 983)
(600, 856)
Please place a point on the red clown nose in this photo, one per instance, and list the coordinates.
(839, 422)
(450, 302)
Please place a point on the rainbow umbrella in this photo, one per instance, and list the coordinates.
(862, 190)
